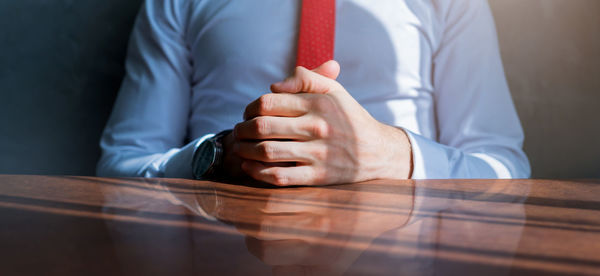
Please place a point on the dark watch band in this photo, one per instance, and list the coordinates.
(217, 168)
(207, 163)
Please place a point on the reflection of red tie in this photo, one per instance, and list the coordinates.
(317, 33)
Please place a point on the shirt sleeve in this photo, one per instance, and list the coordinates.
(148, 126)
(479, 132)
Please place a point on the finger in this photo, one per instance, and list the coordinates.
(307, 81)
(285, 105)
(330, 69)
(283, 176)
(295, 128)
(273, 151)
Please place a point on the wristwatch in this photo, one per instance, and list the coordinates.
(207, 160)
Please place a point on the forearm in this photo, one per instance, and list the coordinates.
(121, 161)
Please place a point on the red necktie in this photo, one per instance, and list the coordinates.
(317, 33)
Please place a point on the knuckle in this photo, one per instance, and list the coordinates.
(265, 103)
(261, 126)
(267, 151)
(308, 84)
(279, 178)
(303, 80)
(320, 129)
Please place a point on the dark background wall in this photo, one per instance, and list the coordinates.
(61, 64)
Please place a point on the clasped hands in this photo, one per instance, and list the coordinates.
(311, 131)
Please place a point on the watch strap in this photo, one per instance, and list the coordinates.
(215, 171)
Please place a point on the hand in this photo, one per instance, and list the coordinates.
(310, 131)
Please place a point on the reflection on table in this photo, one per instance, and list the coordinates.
(75, 225)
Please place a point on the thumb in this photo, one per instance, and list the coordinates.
(330, 69)
(320, 80)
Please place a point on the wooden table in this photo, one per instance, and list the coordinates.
(52, 225)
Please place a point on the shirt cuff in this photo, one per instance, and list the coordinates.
(430, 160)
(179, 163)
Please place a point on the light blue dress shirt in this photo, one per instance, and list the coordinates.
(431, 67)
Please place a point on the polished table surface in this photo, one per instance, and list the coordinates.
(66, 225)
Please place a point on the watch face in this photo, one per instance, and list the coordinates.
(206, 154)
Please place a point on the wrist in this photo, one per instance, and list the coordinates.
(398, 153)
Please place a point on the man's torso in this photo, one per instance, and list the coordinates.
(385, 49)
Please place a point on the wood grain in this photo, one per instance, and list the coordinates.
(71, 225)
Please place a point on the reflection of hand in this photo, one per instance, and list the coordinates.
(312, 121)
(312, 231)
